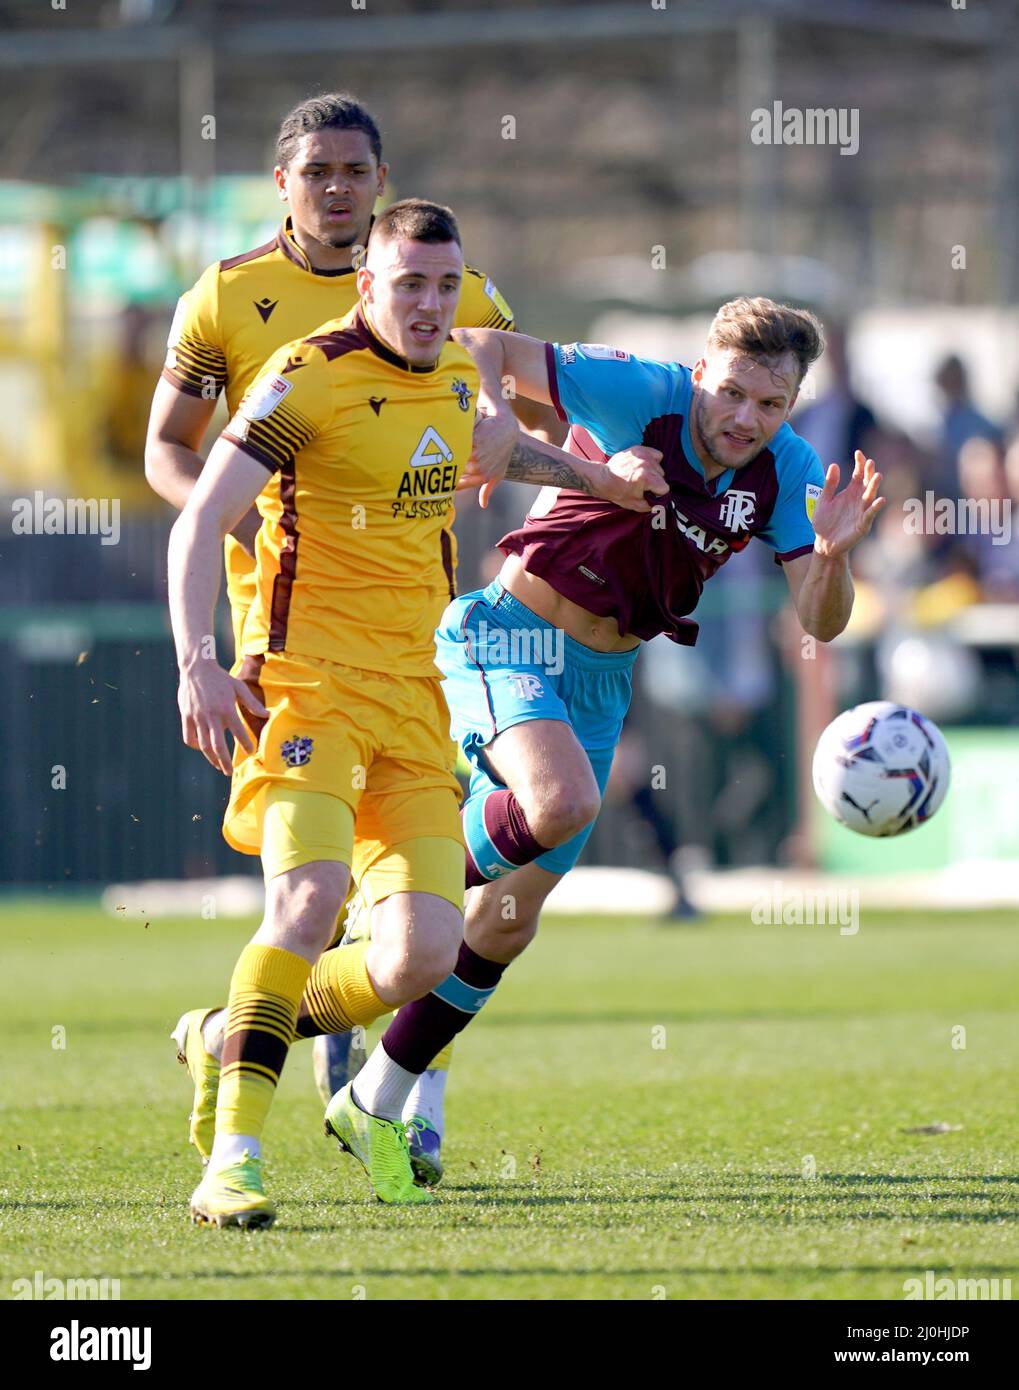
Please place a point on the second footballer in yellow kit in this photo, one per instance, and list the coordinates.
(243, 309)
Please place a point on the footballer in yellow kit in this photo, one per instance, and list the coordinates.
(243, 309)
(354, 566)
(338, 765)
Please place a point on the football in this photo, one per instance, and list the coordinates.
(881, 768)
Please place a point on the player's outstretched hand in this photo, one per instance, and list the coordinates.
(628, 475)
(208, 697)
(842, 518)
(493, 441)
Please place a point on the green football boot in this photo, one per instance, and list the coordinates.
(380, 1146)
(233, 1196)
(204, 1069)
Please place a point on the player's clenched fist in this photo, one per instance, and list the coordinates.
(630, 474)
(207, 697)
(495, 434)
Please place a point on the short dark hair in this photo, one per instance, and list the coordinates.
(414, 219)
(951, 375)
(332, 111)
(762, 329)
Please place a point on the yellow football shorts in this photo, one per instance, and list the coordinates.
(376, 750)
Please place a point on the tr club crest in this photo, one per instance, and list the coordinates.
(527, 687)
(463, 393)
(737, 510)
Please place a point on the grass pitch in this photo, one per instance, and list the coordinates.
(643, 1111)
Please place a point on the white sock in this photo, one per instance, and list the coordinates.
(427, 1098)
(229, 1148)
(382, 1087)
(214, 1033)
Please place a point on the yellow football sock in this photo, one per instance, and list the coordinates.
(265, 992)
(340, 995)
(442, 1061)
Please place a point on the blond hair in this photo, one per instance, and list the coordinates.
(762, 329)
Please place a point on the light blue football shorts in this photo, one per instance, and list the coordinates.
(503, 665)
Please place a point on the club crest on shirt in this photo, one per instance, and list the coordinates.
(463, 393)
(527, 687)
(297, 751)
(737, 509)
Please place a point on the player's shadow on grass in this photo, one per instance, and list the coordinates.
(759, 1194)
(57, 1205)
(90, 1204)
(645, 1017)
(854, 1179)
(406, 1271)
(794, 1181)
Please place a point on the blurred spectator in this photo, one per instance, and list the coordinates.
(838, 422)
(1012, 471)
(994, 555)
(630, 783)
(712, 715)
(920, 575)
(126, 377)
(961, 421)
(1012, 426)
(897, 559)
(957, 586)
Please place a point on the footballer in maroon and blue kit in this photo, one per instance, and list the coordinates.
(644, 569)
(605, 579)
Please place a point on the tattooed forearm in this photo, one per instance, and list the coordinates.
(548, 467)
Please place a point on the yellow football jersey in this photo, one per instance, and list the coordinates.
(355, 560)
(243, 309)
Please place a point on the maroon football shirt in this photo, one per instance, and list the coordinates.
(647, 569)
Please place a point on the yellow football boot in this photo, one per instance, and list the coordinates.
(233, 1196)
(204, 1069)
